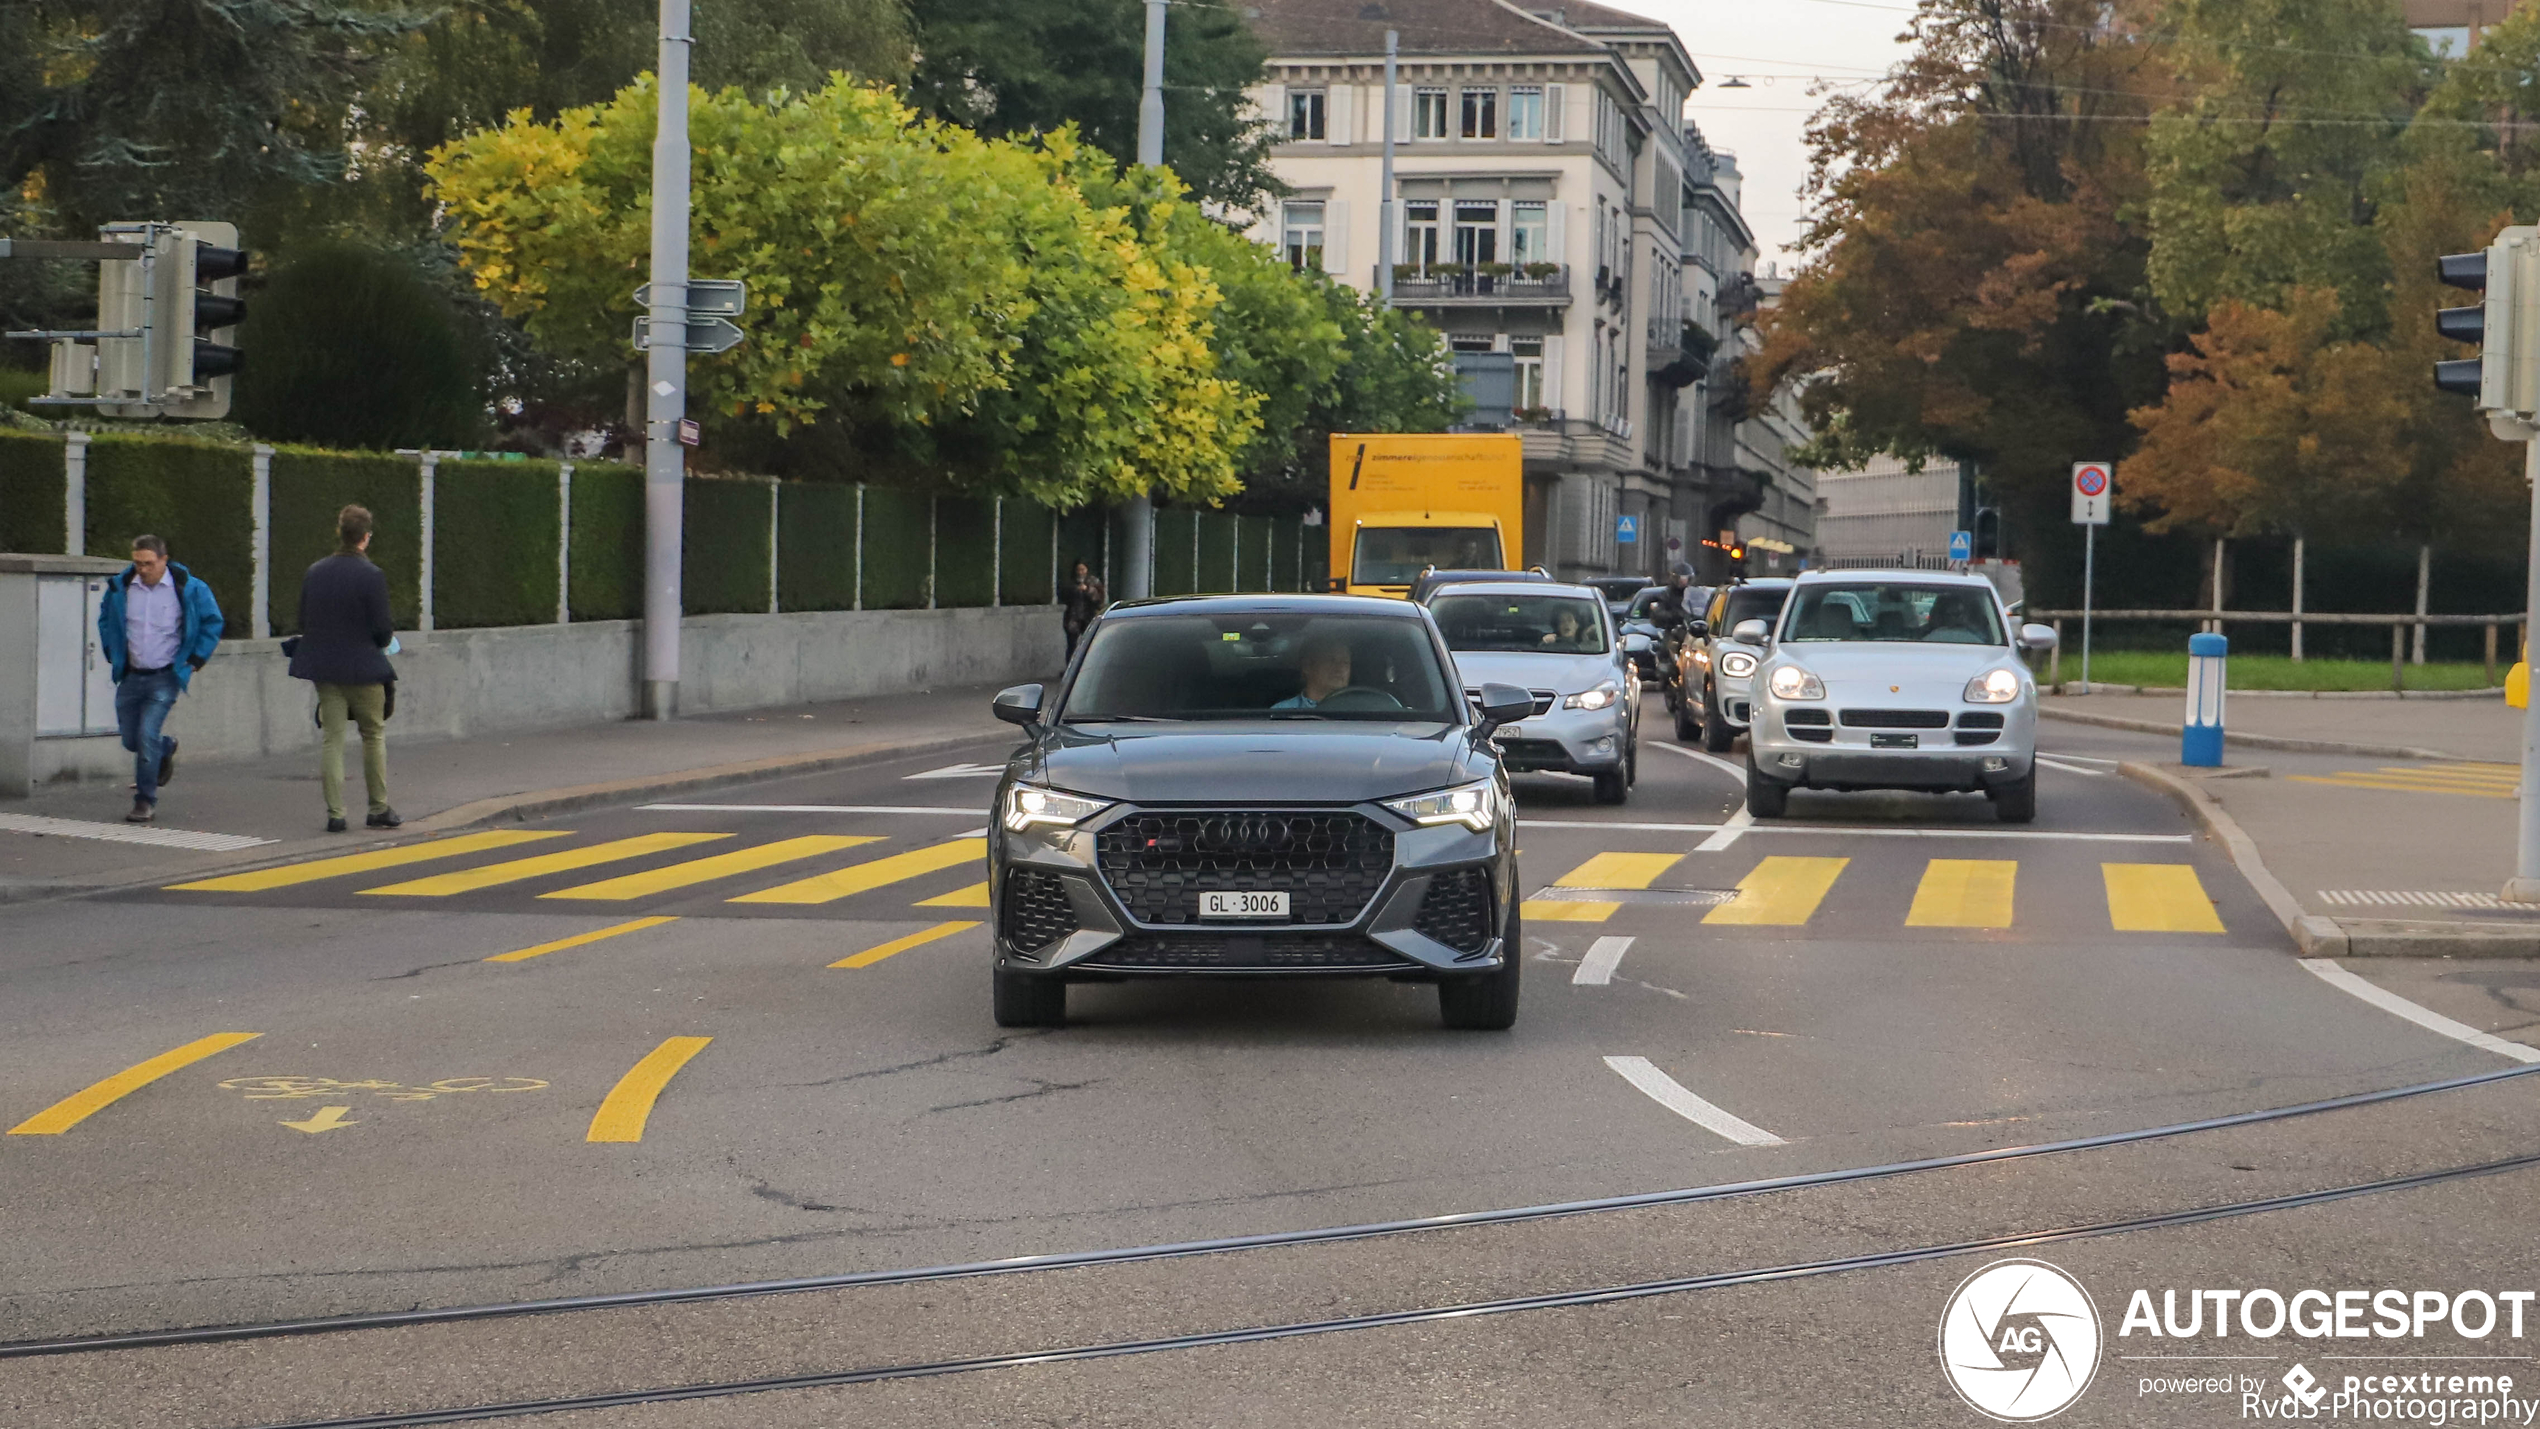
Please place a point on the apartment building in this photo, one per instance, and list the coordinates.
(1888, 514)
(2451, 27)
(1575, 241)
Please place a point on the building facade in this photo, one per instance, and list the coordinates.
(1576, 242)
(1887, 514)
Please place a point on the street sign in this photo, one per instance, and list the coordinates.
(704, 334)
(1626, 529)
(2093, 484)
(707, 297)
(1962, 545)
(690, 434)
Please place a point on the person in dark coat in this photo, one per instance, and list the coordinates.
(345, 635)
(1083, 597)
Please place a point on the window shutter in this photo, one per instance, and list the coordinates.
(1556, 227)
(1405, 99)
(1552, 371)
(1554, 100)
(1274, 105)
(1336, 237)
(1336, 116)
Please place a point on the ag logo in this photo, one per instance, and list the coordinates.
(2020, 1340)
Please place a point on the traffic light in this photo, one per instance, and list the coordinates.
(167, 315)
(2505, 376)
(199, 351)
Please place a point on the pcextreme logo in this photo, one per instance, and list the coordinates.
(2019, 1341)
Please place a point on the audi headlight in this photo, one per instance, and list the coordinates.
(1472, 805)
(1737, 664)
(1993, 687)
(1030, 805)
(1792, 683)
(1602, 697)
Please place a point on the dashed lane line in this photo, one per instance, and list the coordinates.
(896, 946)
(578, 940)
(629, 1104)
(1964, 893)
(2425, 1017)
(1740, 823)
(289, 874)
(2158, 898)
(494, 875)
(864, 877)
(1597, 968)
(62, 1115)
(706, 870)
(1672, 1094)
(1781, 891)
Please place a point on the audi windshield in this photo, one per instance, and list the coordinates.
(1251, 665)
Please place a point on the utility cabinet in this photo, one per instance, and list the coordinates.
(57, 696)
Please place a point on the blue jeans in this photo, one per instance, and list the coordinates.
(142, 703)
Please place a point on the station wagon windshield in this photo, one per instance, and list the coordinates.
(1252, 665)
(1537, 624)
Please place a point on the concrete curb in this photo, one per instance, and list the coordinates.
(2318, 935)
(2254, 741)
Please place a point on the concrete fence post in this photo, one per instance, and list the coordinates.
(75, 494)
(772, 485)
(564, 543)
(260, 545)
(2425, 572)
(858, 603)
(428, 465)
(2297, 600)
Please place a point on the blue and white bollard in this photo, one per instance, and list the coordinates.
(2200, 740)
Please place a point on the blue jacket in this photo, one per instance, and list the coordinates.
(196, 641)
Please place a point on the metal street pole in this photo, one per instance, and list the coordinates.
(666, 370)
(1138, 581)
(2089, 579)
(2524, 886)
(1384, 204)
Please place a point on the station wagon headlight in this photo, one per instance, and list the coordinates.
(1993, 687)
(1473, 805)
(1030, 805)
(1737, 664)
(1792, 683)
(1602, 697)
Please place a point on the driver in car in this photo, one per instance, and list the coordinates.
(1325, 667)
(1564, 634)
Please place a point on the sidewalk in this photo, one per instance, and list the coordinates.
(2472, 729)
(453, 782)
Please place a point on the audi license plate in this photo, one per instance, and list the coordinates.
(1214, 904)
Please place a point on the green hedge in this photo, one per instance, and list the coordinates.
(1175, 573)
(1024, 569)
(309, 488)
(965, 550)
(1216, 550)
(607, 547)
(896, 548)
(815, 537)
(195, 495)
(31, 489)
(493, 543)
(723, 548)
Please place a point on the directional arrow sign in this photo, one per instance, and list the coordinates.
(707, 297)
(327, 1118)
(707, 334)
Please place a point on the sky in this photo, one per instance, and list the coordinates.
(1781, 47)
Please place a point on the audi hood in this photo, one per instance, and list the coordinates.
(1265, 762)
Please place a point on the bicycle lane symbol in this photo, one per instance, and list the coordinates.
(337, 1116)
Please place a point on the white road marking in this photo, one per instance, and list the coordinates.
(1739, 823)
(2082, 758)
(2413, 898)
(1965, 833)
(1713, 760)
(1671, 1094)
(961, 771)
(2058, 763)
(978, 833)
(808, 809)
(1597, 968)
(2425, 1017)
(126, 833)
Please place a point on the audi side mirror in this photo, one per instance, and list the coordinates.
(1018, 704)
(2037, 637)
(1502, 704)
(1749, 632)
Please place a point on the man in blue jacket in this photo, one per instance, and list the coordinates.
(157, 625)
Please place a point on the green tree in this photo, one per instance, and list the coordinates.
(356, 347)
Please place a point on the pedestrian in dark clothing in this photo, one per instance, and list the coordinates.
(1084, 599)
(345, 635)
(157, 625)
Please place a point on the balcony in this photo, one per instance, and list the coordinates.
(1679, 353)
(1484, 285)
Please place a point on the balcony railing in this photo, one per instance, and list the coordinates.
(1482, 285)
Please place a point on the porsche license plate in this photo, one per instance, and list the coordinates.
(1214, 904)
(1896, 741)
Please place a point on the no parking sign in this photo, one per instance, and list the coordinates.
(2093, 483)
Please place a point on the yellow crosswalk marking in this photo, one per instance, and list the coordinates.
(1782, 891)
(1964, 893)
(706, 870)
(2158, 898)
(975, 896)
(492, 875)
(879, 951)
(315, 869)
(863, 877)
(577, 940)
(1556, 910)
(629, 1104)
(62, 1115)
(1619, 870)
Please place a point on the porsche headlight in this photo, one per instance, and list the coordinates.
(1737, 664)
(1030, 805)
(1792, 683)
(1993, 687)
(1602, 697)
(1472, 805)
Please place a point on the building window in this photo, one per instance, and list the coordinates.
(2449, 42)
(1481, 114)
(1428, 114)
(1529, 354)
(1469, 342)
(1420, 230)
(1305, 114)
(1525, 112)
(1302, 238)
(1476, 231)
(1529, 234)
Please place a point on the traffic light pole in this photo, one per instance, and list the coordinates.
(1138, 581)
(2524, 886)
(666, 370)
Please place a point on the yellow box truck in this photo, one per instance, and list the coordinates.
(1402, 503)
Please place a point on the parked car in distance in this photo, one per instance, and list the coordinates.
(1719, 672)
(1557, 642)
(1893, 680)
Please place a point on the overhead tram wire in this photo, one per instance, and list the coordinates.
(339, 1324)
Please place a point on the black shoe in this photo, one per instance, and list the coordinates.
(142, 812)
(334, 826)
(167, 763)
(384, 819)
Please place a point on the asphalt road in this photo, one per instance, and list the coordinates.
(454, 1093)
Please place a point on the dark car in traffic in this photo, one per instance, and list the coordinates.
(1257, 786)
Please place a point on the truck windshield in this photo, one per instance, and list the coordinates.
(1395, 555)
(1262, 665)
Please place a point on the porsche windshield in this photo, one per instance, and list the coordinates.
(1535, 624)
(1895, 612)
(1255, 665)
